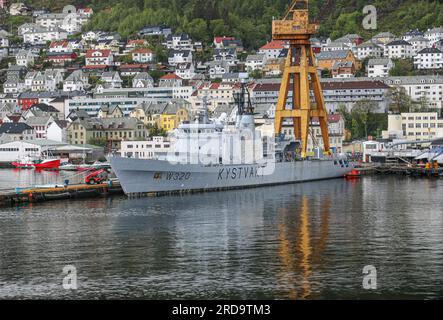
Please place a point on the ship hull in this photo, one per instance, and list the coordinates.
(142, 177)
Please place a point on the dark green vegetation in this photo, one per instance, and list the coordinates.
(363, 120)
(250, 20)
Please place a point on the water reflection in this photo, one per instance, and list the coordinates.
(307, 241)
(304, 254)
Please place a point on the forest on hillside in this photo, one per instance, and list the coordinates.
(250, 20)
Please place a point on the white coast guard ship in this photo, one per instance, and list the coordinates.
(210, 155)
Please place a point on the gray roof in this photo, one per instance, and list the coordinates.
(14, 128)
(37, 121)
(329, 55)
(373, 62)
(185, 53)
(255, 57)
(62, 123)
(384, 35)
(4, 34)
(75, 76)
(399, 42)
(418, 39)
(435, 30)
(429, 50)
(43, 107)
(368, 44)
(109, 109)
(143, 76)
(109, 123)
(342, 64)
(159, 108)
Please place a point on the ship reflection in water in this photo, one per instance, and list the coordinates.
(305, 241)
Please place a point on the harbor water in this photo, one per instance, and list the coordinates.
(302, 241)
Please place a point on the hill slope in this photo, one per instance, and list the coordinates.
(251, 19)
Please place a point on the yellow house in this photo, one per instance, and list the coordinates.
(166, 116)
(274, 67)
(171, 117)
(327, 59)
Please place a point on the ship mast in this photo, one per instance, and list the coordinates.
(300, 76)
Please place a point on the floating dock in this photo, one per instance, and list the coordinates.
(34, 195)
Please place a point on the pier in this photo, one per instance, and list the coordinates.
(400, 169)
(33, 195)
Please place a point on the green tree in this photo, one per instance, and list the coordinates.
(156, 74)
(344, 112)
(198, 29)
(256, 74)
(326, 73)
(155, 131)
(402, 68)
(99, 142)
(363, 121)
(398, 100)
(218, 27)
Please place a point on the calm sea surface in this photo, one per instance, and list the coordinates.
(305, 241)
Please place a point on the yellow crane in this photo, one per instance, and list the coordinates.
(300, 74)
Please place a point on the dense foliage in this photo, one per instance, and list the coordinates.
(250, 20)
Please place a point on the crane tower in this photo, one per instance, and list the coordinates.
(300, 75)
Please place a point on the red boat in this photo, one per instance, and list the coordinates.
(48, 164)
(28, 163)
(354, 174)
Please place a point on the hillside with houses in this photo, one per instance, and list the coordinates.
(63, 80)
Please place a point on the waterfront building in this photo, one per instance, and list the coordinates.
(167, 116)
(419, 87)
(148, 149)
(218, 94)
(126, 98)
(337, 92)
(414, 126)
(15, 150)
(110, 130)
